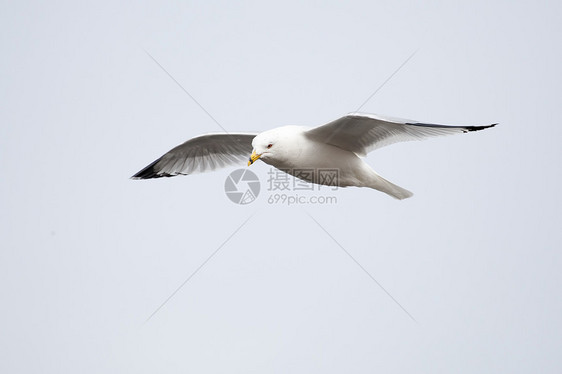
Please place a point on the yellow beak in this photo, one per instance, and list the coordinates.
(253, 158)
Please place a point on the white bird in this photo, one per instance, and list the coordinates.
(337, 146)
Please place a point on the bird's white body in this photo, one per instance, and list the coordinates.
(307, 159)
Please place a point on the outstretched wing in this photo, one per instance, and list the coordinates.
(206, 152)
(363, 133)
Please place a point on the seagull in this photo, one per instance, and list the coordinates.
(334, 149)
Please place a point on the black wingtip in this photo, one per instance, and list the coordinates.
(478, 128)
(149, 172)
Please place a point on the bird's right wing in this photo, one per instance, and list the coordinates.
(202, 153)
(363, 133)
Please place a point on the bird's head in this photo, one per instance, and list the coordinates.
(274, 145)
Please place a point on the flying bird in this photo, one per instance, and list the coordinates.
(337, 146)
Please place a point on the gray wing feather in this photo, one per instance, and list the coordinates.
(200, 154)
(363, 133)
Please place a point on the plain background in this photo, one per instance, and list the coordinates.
(88, 254)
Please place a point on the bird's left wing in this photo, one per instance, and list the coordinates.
(202, 153)
(363, 133)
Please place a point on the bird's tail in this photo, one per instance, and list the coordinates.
(379, 183)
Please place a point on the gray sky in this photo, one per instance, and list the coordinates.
(88, 254)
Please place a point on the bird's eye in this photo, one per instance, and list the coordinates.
(269, 146)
